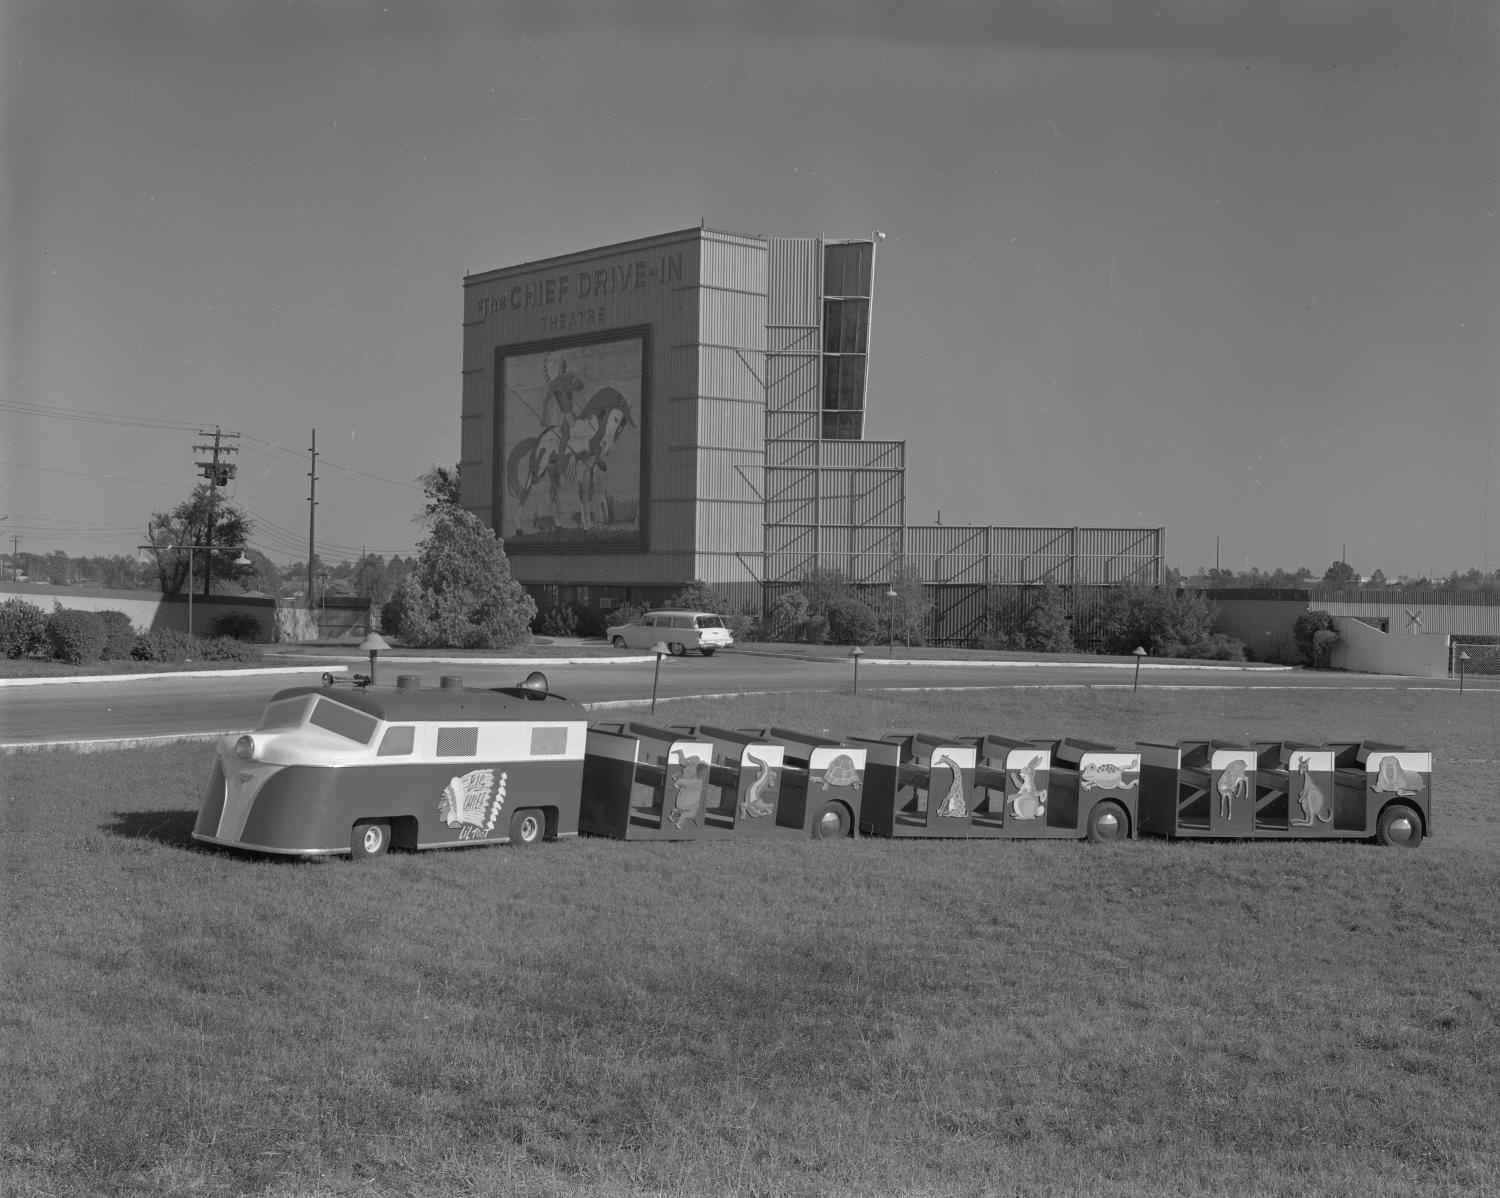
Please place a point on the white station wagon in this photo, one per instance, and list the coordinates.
(680, 630)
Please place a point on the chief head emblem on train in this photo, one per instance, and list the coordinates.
(470, 804)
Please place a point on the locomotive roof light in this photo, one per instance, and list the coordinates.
(536, 683)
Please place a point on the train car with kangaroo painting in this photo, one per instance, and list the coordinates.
(359, 770)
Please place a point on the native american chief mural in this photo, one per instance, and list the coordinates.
(568, 422)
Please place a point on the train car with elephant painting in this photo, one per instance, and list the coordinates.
(359, 770)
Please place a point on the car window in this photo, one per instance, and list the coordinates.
(648, 621)
(710, 622)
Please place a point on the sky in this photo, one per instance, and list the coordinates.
(1227, 268)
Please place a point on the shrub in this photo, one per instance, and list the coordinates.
(163, 644)
(561, 620)
(119, 635)
(225, 648)
(851, 622)
(240, 625)
(1304, 631)
(23, 629)
(699, 596)
(76, 637)
(1048, 628)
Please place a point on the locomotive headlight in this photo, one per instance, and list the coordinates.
(245, 747)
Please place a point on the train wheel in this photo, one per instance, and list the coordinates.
(676, 648)
(1399, 825)
(832, 822)
(527, 827)
(369, 840)
(618, 642)
(1108, 821)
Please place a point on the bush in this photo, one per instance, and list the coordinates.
(851, 621)
(557, 621)
(699, 596)
(1305, 631)
(225, 648)
(23, 629)
(119, 635)
(239, 625)
(76, 637)
(163, 644)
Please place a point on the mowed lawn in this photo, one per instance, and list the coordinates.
(854, 1018)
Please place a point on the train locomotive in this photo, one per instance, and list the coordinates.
(332, 771)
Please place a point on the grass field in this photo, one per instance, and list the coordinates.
(798, 1019)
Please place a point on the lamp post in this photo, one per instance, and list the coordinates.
(855, 654)
(890, 599)
(1463, 656)
(241, 562)
(661, 650)
(1138, 653)
(373, 644)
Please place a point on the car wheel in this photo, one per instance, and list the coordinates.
(369, 840)
(1108, 821)
(1399, 825)
(832, 822)
(706, 652)
(676, 648)
(527, 827)
(618, 642)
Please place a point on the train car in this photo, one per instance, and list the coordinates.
(357, 771)
(700, 783)
(1287, 790)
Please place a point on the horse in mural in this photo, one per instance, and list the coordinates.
(575, 450)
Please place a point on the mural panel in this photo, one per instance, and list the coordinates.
(569, 443)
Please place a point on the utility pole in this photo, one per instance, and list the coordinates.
(218, 474)
(312, 513)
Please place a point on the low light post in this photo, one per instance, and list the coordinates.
(1139, 653)
(661, 650)
(373, 644)
(1463, 656)
(855, 654)
(890, 599)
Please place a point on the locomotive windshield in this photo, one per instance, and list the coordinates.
(343, 721)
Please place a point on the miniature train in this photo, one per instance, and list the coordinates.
(357, 772)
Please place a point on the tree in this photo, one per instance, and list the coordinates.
(461, 593)
(1341, 574)
(442, 488)
(203, 519)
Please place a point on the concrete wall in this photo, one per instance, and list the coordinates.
(339, 619)
(148, 610)
(1262, 620)
(1367, 650)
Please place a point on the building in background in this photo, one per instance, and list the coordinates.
(693, 406)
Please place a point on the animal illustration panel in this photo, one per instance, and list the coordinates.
(1399, 775)
(569, 444)
(1026, 787)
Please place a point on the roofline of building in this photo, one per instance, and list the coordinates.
(701, 232)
